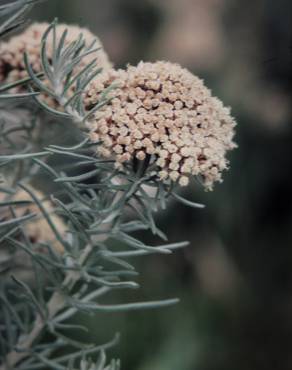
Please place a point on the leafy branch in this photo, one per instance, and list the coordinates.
(101, 207)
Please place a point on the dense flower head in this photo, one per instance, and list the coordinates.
(163, 111)
(12, 66)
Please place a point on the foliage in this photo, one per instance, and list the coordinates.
(101, 206)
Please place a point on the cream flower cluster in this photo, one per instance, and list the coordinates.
(163, 111)
(12, 66)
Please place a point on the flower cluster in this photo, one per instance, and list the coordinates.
(163, 111)
(12, 66)
(37, 229)
(159, 111)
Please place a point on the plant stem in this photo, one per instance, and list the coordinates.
(56, 303)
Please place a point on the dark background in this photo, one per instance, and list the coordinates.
(235, 279)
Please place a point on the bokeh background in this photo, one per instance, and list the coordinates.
(235, 279)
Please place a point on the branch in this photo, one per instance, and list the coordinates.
(55, 305)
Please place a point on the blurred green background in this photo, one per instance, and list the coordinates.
(235, 279)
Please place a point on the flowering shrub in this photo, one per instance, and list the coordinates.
(154, 126)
